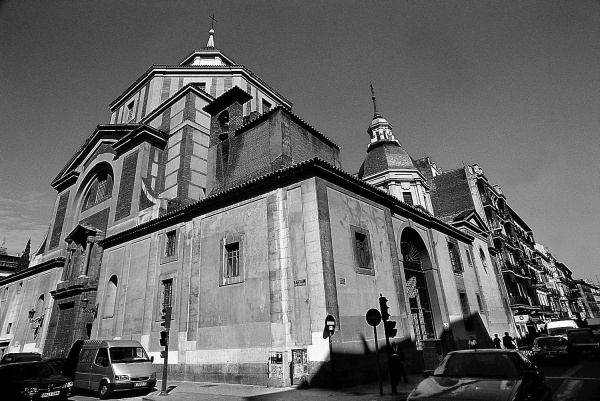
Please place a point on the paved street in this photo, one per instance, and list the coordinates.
(568, 382)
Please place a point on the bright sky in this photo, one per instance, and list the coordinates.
(512, 86)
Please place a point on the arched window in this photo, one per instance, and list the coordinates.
(110, 300)
(100, 190)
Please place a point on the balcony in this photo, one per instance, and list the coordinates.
(518, 300)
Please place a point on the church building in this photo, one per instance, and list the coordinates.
(206, 193)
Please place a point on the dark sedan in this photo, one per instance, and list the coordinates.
(549, 348)
(490, 375)
(33, 381)
(582, 343)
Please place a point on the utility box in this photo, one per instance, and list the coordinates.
(432, 353)
(279, 369)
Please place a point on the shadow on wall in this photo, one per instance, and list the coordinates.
(358, 365)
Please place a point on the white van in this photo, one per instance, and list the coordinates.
(108, 366)
(560, 327)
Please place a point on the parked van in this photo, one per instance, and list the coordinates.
(108, 366)
(560, 327)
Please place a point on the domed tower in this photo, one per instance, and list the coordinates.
(388, 166)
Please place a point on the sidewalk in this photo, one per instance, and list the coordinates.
(195, 391)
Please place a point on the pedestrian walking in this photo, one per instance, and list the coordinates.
(472, 343)
(399, 369)
(497, 342)
(508, 341)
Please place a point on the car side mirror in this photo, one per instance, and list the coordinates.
(427, 373)
(152, 358)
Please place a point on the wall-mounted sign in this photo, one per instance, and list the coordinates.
(300, 283)
(342, 281)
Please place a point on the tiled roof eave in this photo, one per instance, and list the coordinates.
(314, 167)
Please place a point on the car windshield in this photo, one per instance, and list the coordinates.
(28, 371)
(479, 364)
(128, 354)
(551, 342)
(581, 337)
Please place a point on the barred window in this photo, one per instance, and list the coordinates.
(457, 266)
(407, 198)
(232, 268)
(232, 260)
(171, 240)
(167, 290)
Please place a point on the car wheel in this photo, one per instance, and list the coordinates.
(103, 391)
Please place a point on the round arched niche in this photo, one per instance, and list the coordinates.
(418, 274)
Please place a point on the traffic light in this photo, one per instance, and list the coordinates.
(383, 307)
(166, 317)
(164, 338)
(163, 354)
(390, 328)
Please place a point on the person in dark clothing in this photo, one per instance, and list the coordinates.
(398, 364)
(497, 342)
(508, 341)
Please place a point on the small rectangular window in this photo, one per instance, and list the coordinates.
(266, 106)
(170, 241)
(362, 250)
(232, 260)
(407, 198)
(167, 292)
(455, 258)
(464, 303)
(232, 267)
(8, 328)
(130, 110)
(201, 86)
(480, 304)
(469, 257)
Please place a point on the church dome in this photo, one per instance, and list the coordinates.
(384, 156)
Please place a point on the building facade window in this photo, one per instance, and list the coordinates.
(100, 190)
(130, 111)
(466, 311)
(266, 106)
(167, 292)
(480, 303)
(418, 294)
(407, 198)
(232, 260)
(169, 246)
(457, 266)
(361, 245)
(8, 327)
(483, 260)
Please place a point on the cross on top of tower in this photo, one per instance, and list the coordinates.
(211, 33)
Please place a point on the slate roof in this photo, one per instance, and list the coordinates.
(385, 155)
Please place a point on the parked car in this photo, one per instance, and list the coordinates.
(594, 324)
(488, 374)
(550, 347)
(582, 343)
(108, 366)
(12, 357)
(33, 381)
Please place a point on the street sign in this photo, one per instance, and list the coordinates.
(330, 324)
(373, 317)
